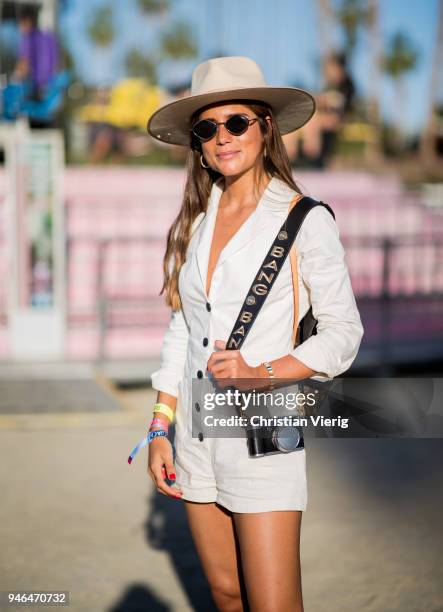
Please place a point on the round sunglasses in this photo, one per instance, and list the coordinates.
(205, 129)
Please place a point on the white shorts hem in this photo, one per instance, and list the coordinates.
(205, 496)
(251, 506)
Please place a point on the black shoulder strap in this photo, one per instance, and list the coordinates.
(269, 270)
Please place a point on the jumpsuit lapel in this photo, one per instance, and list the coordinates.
(257, 222)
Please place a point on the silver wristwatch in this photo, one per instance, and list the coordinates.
(268, 366)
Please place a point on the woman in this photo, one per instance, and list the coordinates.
(244, 513)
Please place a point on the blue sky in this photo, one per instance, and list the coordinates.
(281, 36)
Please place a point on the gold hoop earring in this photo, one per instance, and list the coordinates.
(201, 161)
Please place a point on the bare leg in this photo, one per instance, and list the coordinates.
(100, 146)
(212, 530)
(270, 556)
(312, 137)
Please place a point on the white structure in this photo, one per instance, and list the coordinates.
(35, 236)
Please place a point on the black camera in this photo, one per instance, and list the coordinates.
(270, 440)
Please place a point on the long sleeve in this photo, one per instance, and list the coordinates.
(324, 271)
(173, 355)
(175, 344)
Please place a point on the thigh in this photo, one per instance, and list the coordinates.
(212, 530)
(270, 555)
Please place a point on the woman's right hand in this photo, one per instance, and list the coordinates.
(161, 466)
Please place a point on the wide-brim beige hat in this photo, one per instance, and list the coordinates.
(229, 78)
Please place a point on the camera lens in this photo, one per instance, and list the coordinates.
(286, 439)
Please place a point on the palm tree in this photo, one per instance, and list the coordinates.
(401, 57)
(101, 33)
(351, 15)
(153, 6)
(375, 45)
(325, 16)
(139, 65)
(178, 42)
(427, 147)
(101, 27)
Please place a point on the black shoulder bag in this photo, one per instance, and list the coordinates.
(265, 440)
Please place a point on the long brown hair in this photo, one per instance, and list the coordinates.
(198, 187)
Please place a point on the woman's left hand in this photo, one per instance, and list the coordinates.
(227, 366)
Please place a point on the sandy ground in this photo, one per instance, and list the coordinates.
(75, 516)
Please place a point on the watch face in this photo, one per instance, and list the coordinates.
(286, 439)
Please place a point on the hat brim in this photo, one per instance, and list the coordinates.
(292, 108)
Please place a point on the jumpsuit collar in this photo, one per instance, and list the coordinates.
(275, 198)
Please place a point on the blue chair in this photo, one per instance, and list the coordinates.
(45, 110)
(16, 101)
(14, 97)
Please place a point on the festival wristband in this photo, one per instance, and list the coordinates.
(146, 440)
(164, 409)
(159, 423)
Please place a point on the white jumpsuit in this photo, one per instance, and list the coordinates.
(220, 469)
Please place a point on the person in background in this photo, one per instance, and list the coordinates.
(38, 55)
(105, 140)
(334, 104)
(339, 92)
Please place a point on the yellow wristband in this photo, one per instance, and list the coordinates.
(164, 409)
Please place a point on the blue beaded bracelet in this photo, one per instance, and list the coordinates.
(146, 440)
